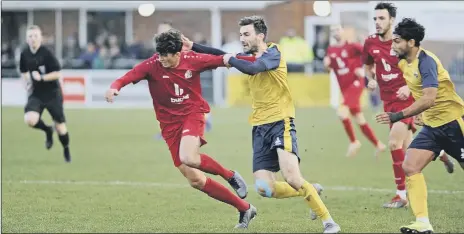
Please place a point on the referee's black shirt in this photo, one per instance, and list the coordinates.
(44, 62)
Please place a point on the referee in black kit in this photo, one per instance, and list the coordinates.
(41, 72)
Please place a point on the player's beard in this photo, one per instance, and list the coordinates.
(402, 54)
(382, 34)
(252, 48)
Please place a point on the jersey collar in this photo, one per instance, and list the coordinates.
(417, 56)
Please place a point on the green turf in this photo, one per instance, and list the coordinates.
(119, 145)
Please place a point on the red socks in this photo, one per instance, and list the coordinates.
(221, 193)
(349, 129)
(211, 166)
(367, 131)
(364, 128)
(398, 158)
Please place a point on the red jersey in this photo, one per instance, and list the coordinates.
(176, 92)
(344, 60)
(388, 74)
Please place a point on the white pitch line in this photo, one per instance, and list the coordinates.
(174, 185)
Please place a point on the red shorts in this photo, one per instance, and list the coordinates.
(399, 105)
(352, 97)
(193, 125)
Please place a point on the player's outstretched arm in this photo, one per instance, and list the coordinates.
(190, 45)
(136, 74)
(428, 70)
(429, 74)
(270, 60)
(424, 103)
(207, 50)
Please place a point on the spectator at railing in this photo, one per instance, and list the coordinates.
(71, 49)
(296, 51)
(102, 60)
(135, 49)
(89, 55)
(100, 40)
(7, 53)
(114, 47)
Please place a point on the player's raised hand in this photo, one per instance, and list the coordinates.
(372, 85)
(403, 93)
(187, 44)
(383, 118)
(110, 93)
(36, 76)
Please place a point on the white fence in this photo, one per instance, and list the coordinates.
(84, 88)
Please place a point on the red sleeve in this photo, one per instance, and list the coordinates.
(366, 56)
(247, 58)
(136, 74)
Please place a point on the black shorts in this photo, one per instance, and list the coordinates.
(448, 137)
(54, 106)
(267, 138)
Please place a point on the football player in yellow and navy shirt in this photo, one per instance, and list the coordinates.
(442, 113)
(273, 136)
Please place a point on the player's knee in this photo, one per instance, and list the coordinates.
(294, 180)
(263, 188)
(190, 159)
(359, 118)
(196, 182)
(343, 112)
(410, 169)
(61, 128)
(31, 118)
(395, 144)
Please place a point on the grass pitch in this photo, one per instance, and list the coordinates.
(122, 179)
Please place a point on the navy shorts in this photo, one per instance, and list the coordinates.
(267, 138)
(448, 137)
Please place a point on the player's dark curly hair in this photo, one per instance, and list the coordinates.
(258, 23)
(390, 7)
(409, 29)
(169, 42)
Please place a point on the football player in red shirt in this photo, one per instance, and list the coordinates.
(393, 91)
(173, 79)
(344, 58)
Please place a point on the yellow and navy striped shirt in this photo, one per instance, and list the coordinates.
(270, 93)
(427, 71)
